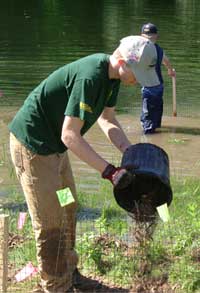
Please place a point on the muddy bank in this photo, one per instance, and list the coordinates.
(179, 137)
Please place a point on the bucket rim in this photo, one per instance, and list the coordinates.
(150, 174)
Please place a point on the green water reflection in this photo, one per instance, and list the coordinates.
(37, 36)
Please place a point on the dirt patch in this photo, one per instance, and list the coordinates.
(153, 285)
(142, 281)
(145, 285)
(196, 255)
(15, 240)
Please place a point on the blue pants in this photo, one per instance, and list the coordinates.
(152, 108)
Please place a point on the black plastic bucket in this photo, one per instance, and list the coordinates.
(149, 165)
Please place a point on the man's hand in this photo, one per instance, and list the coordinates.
(171, 72)
(119, 177)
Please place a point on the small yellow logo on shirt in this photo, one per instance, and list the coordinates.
(85, 107)
(109, 95)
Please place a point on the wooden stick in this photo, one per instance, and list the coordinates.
(174, 95)
(3, 252)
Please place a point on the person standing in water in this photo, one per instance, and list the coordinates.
(152, 95)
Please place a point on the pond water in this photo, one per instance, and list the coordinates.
(38, 36)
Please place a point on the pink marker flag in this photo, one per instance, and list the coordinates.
(1, 93)
(21, 220)
(27, 271)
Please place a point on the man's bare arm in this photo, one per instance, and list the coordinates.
(72, 138)
(113, 129)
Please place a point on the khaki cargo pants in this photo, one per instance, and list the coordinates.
(54, 226)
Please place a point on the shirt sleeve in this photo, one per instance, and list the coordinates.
(112, 98)
(81, 101)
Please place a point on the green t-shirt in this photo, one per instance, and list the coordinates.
(79, 89)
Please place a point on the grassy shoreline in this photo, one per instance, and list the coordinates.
(107, 249)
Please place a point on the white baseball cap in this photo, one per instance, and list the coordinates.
(140, 54)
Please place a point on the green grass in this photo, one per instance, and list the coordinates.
(106, 249)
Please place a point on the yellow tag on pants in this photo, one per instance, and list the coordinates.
(65, 196)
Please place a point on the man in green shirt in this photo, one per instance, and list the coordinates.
(54, 118)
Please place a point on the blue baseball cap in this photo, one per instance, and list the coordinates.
(149, 28)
